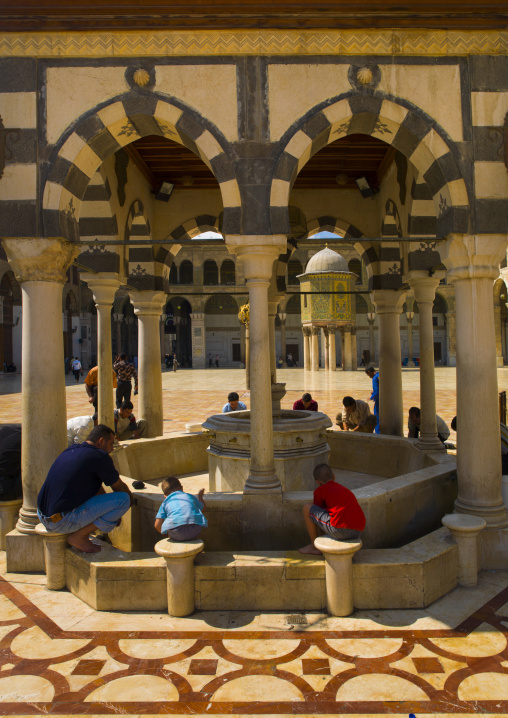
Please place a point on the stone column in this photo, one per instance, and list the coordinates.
(347, 355)
(424, 288)
(465, 530)
(324, 335)
(315, 348)
(273, 303)
(499, 342)
(198, 340)
(331, 347)
(354, 351)
(257, 255)
(410, 352)
(147, 307)
(388, 304)
(451, 340)
(472, 263)
(242, 343)
(282, 317)
(372, 345)
(162, 324)
(306, 348)
(247, 357)
(339, 573)
(118, 327)
(104, 287)
(179, 573)
(40, 265)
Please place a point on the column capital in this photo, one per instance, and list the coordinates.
(257, 253)
(473, 256)
(146, 302)
(40, 259)
(103, 286)
(332, 328)
(306, 331)
(388, 301)
(423, 286)
(315, 331)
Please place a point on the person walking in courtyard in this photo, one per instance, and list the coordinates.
(216, 361)
(335, 511)
(233, 404)
(92, 384)
(374, 375)
(180, 515)
(72, 499)
(210, 361)
(126, 426)
(76, 369)
(413, 425)
(306, 403)
(125, 372)
(175, 362)
(356, 416)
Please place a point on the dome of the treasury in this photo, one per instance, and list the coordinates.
(326, 261)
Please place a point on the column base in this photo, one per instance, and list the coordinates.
(430, 444)
(261, 481)
(27, 521)
(496, 517)
(25, 552)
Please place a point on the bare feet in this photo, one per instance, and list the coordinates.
(82, 543)
(310, 548)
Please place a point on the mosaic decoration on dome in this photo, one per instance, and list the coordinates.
(325, 306)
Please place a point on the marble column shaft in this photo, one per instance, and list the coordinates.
(372, 346)
(40, 266)
(331, 348)
(283, 339)
(324, 335)
(472, 262)
(424, 288)
(348, 356)
(388, 304)
(306, 349)
(410, 351)
(148, 307)
(315, 348)
(257, 255)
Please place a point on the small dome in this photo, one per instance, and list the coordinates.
(326, 261)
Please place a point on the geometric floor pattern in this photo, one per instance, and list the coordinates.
(397, 670)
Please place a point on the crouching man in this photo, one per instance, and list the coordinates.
(335, 511)
(72, 499)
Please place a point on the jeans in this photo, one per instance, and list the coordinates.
(185, 533)
(102, 510)
(123, 392)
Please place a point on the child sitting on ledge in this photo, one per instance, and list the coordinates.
(180, 515)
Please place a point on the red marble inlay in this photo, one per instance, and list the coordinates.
(428, 665)
(202, 667)
(315, 666)
(88, 667)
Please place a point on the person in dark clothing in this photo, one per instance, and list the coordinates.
(10, 462)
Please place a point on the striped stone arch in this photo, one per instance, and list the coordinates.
(105, 130)
(367, 251)
(97, 221)
(195, 226)
(398, 123)
(422, 222)
(147, 265)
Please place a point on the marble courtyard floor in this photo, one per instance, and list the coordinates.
(59, 657)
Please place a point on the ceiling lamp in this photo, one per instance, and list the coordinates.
(187, 180)
(364, 187)
(164, 192)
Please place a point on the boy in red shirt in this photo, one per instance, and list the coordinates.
(335, 511)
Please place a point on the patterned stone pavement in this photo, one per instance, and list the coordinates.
(59, 657)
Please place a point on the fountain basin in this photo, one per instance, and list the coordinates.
(300, 443)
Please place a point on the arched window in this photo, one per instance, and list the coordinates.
(355, 266)
(173, 274)
(294, 269)
(227, 272)
(210, 272)
(221, 304)
(186, 272)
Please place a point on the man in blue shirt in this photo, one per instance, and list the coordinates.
(374, 375)
(72, 499)
(234, 403)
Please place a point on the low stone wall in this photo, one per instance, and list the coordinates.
(151, 459)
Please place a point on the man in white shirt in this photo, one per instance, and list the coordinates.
(76, 369)
(79, 428)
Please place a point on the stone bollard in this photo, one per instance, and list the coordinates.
(339, 573)
(465, 529)
(54, 557)
(180, 573)
(9, 512)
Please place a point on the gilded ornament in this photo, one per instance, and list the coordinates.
(141, 77)
(244, 313)
(364, 75)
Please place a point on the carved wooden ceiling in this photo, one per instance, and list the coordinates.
(28, 15)
(335, 166)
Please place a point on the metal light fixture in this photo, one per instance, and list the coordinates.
(164, 192)
(410, 316)
(363, 185)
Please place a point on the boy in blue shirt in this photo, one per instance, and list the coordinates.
(180, 515)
